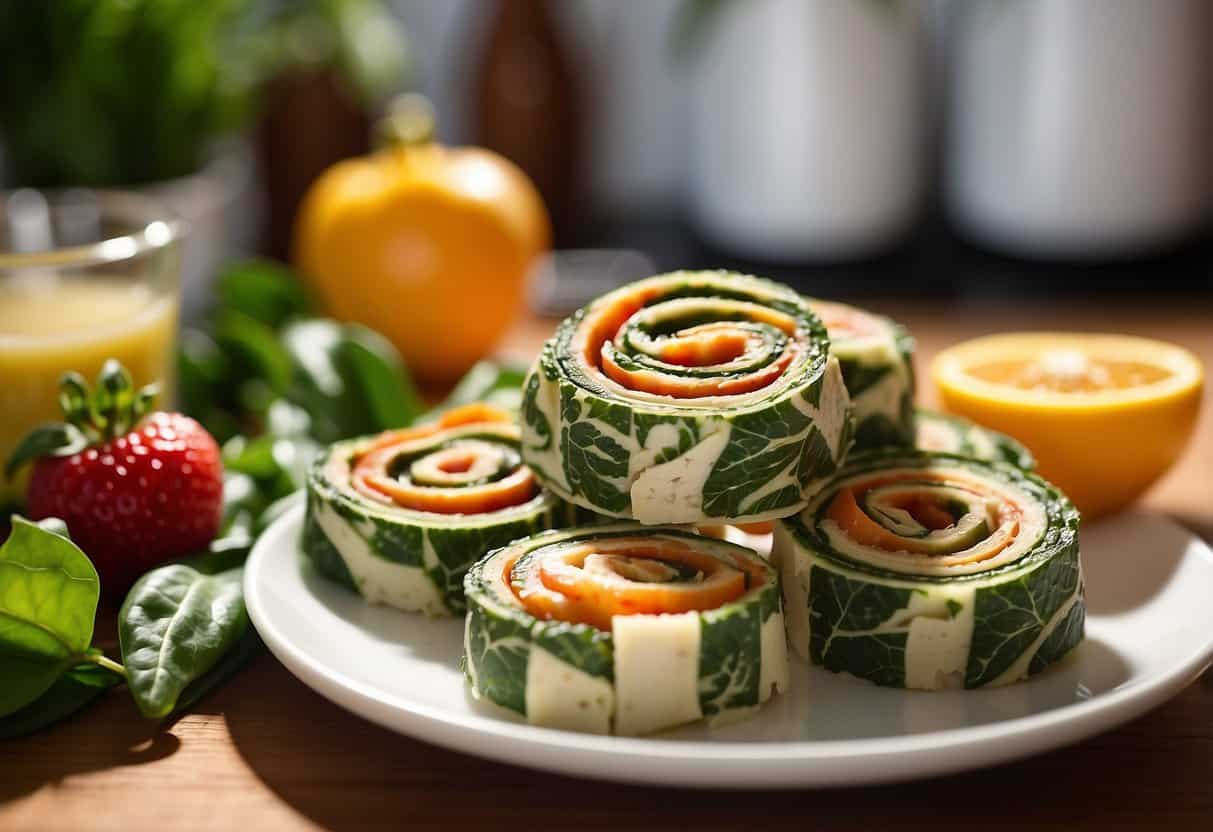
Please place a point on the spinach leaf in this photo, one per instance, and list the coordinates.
(763, 447)
(243, 504)
(373, 368)
(595, 463)
(183, 627)
(262, 289)
(348, 379)
(1011, 615)
(48, 601)
(859, 377)
(277, 465)
(584, 647)
(496, 384)
(533, 415)
(1064, 638)
(686, 434)
(499, 649)
(264, 354)
(857, 608)
(254, 350)
(233, 660)
(175, 625)
(730, 656)
(71, 692)
(204, 384)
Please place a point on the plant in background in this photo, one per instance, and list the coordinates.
(359, 38)
(117, 92)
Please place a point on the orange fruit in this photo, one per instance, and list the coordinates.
(1105, 415)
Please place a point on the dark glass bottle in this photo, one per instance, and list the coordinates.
(527, 106)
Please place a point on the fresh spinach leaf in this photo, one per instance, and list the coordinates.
(730, 656)
(243, 503)
(254, 350)
(48, 602)
(233, 660)
(262, 289)
(374, 368)
(206, 386)
(277, 465)
(857, 608)
(499, 647)
(71, 692)
(348, 379)
(175, 625)
(496, 384)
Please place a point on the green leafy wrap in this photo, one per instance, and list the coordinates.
(876, 355)
(957, 435)
(390, 545)
(599, 677)
(933, 571)
(687, 397)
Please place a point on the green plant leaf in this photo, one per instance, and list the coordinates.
(730, 656)
(55, 526)
(254, 349)
(499, 646)
(374, 367)
(45, 440)
(71, 692)
(174, 626)
(856, 608)
(496, 384)
(206, 384)
(278, 465)
(131, 91)
(263, 290)
(348, 379)
(233, 660)
(242, 502)
(48, 602)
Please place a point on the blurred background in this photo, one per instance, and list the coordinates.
(849, 147)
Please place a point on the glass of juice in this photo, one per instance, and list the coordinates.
(84, 276)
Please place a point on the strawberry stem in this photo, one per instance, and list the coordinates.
(90, 417)
(77, 404)
(112, 408)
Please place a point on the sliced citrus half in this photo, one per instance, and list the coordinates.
(1105, 415)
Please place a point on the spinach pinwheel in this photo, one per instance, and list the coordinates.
(687, 397)
(930, 571)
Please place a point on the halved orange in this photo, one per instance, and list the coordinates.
(1105, 415)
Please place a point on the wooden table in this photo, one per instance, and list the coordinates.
(264, 752)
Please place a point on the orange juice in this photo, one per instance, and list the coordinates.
(53, 325)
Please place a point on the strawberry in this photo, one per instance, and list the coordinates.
(134, 488)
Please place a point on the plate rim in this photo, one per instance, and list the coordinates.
(432, 724)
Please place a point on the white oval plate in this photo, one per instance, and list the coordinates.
(1149, 633)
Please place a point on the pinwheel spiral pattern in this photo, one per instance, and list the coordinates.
(687, 397)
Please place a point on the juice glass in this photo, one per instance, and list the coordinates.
(84, 276)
